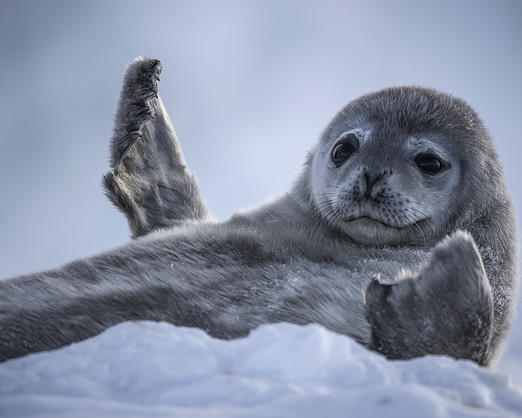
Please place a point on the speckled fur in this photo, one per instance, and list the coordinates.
(150, 182)
(419, 286)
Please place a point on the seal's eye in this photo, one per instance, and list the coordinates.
(344, 148)
(430, 164)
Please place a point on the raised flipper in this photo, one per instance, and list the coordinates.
(446, 309)
(149, 181)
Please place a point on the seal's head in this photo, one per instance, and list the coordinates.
(404, 165)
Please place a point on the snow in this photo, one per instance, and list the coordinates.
(159, 370)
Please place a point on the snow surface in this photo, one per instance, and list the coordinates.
(156, 369)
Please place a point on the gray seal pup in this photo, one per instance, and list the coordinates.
(400, 233)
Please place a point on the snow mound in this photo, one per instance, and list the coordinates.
(159, 370)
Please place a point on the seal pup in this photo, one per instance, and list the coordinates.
(400, 232)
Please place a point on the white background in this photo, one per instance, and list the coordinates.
(249, 87)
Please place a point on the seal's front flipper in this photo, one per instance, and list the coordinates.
(149, 181)
(447, 309)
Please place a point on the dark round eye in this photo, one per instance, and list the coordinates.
(344, 148)
(430, 164)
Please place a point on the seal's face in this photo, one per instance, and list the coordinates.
(383, 183)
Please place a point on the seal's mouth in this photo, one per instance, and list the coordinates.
(369, 230)
(371, 222)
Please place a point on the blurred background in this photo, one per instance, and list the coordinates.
(249, 86)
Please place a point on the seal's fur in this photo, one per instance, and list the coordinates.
(369, 242)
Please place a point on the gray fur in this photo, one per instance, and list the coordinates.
(150, 182)
(373, 248)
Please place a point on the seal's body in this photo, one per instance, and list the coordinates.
(369, 242)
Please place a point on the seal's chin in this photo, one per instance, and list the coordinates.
(370, 231)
